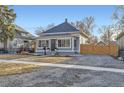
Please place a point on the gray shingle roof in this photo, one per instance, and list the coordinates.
(64, 27)
(20, 31)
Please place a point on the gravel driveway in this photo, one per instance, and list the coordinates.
(62, 77)
(97, 60)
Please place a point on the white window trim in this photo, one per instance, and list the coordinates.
(64, 39)
(41, 42)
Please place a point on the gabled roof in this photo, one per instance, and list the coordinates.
(101, 43)
(64, 27)
(20, 31)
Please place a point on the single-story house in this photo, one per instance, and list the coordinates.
(22, 39)
(120, 41)
(64, 38)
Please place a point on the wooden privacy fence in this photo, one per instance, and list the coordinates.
(111, 49)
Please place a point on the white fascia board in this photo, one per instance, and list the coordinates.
(62, 36)
(57, 33)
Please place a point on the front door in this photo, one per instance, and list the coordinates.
(53, 44)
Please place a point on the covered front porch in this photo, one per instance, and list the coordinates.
(59, 44)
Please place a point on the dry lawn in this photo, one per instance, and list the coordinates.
(12, 56)
(13, 68)
(51, 59)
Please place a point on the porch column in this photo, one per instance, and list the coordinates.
(72, 44)
(8, 44)
(36, 45)
(50, 44)
(79, 44)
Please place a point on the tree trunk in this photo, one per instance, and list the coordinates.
(5, 44)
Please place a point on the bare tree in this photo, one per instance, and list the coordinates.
(94, 39)
(41, 29)
(118, 16)
(50, 26)
(106, 33)
(89, 24)
(86, 25)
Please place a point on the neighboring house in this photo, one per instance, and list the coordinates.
(120, 41)
(63, 37)
(22, 39)
(101, 43)
(115, 35)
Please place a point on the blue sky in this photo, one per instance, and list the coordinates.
(30, 17)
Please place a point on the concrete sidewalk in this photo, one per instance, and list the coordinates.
(69, 66)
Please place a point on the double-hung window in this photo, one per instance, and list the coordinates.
(43, 43)
(64, 43)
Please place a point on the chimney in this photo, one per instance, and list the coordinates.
(66, 20)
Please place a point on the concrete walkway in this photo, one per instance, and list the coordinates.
(69, 66)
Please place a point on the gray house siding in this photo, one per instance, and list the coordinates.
(121, 43)
(63, 33)
(72, 49)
